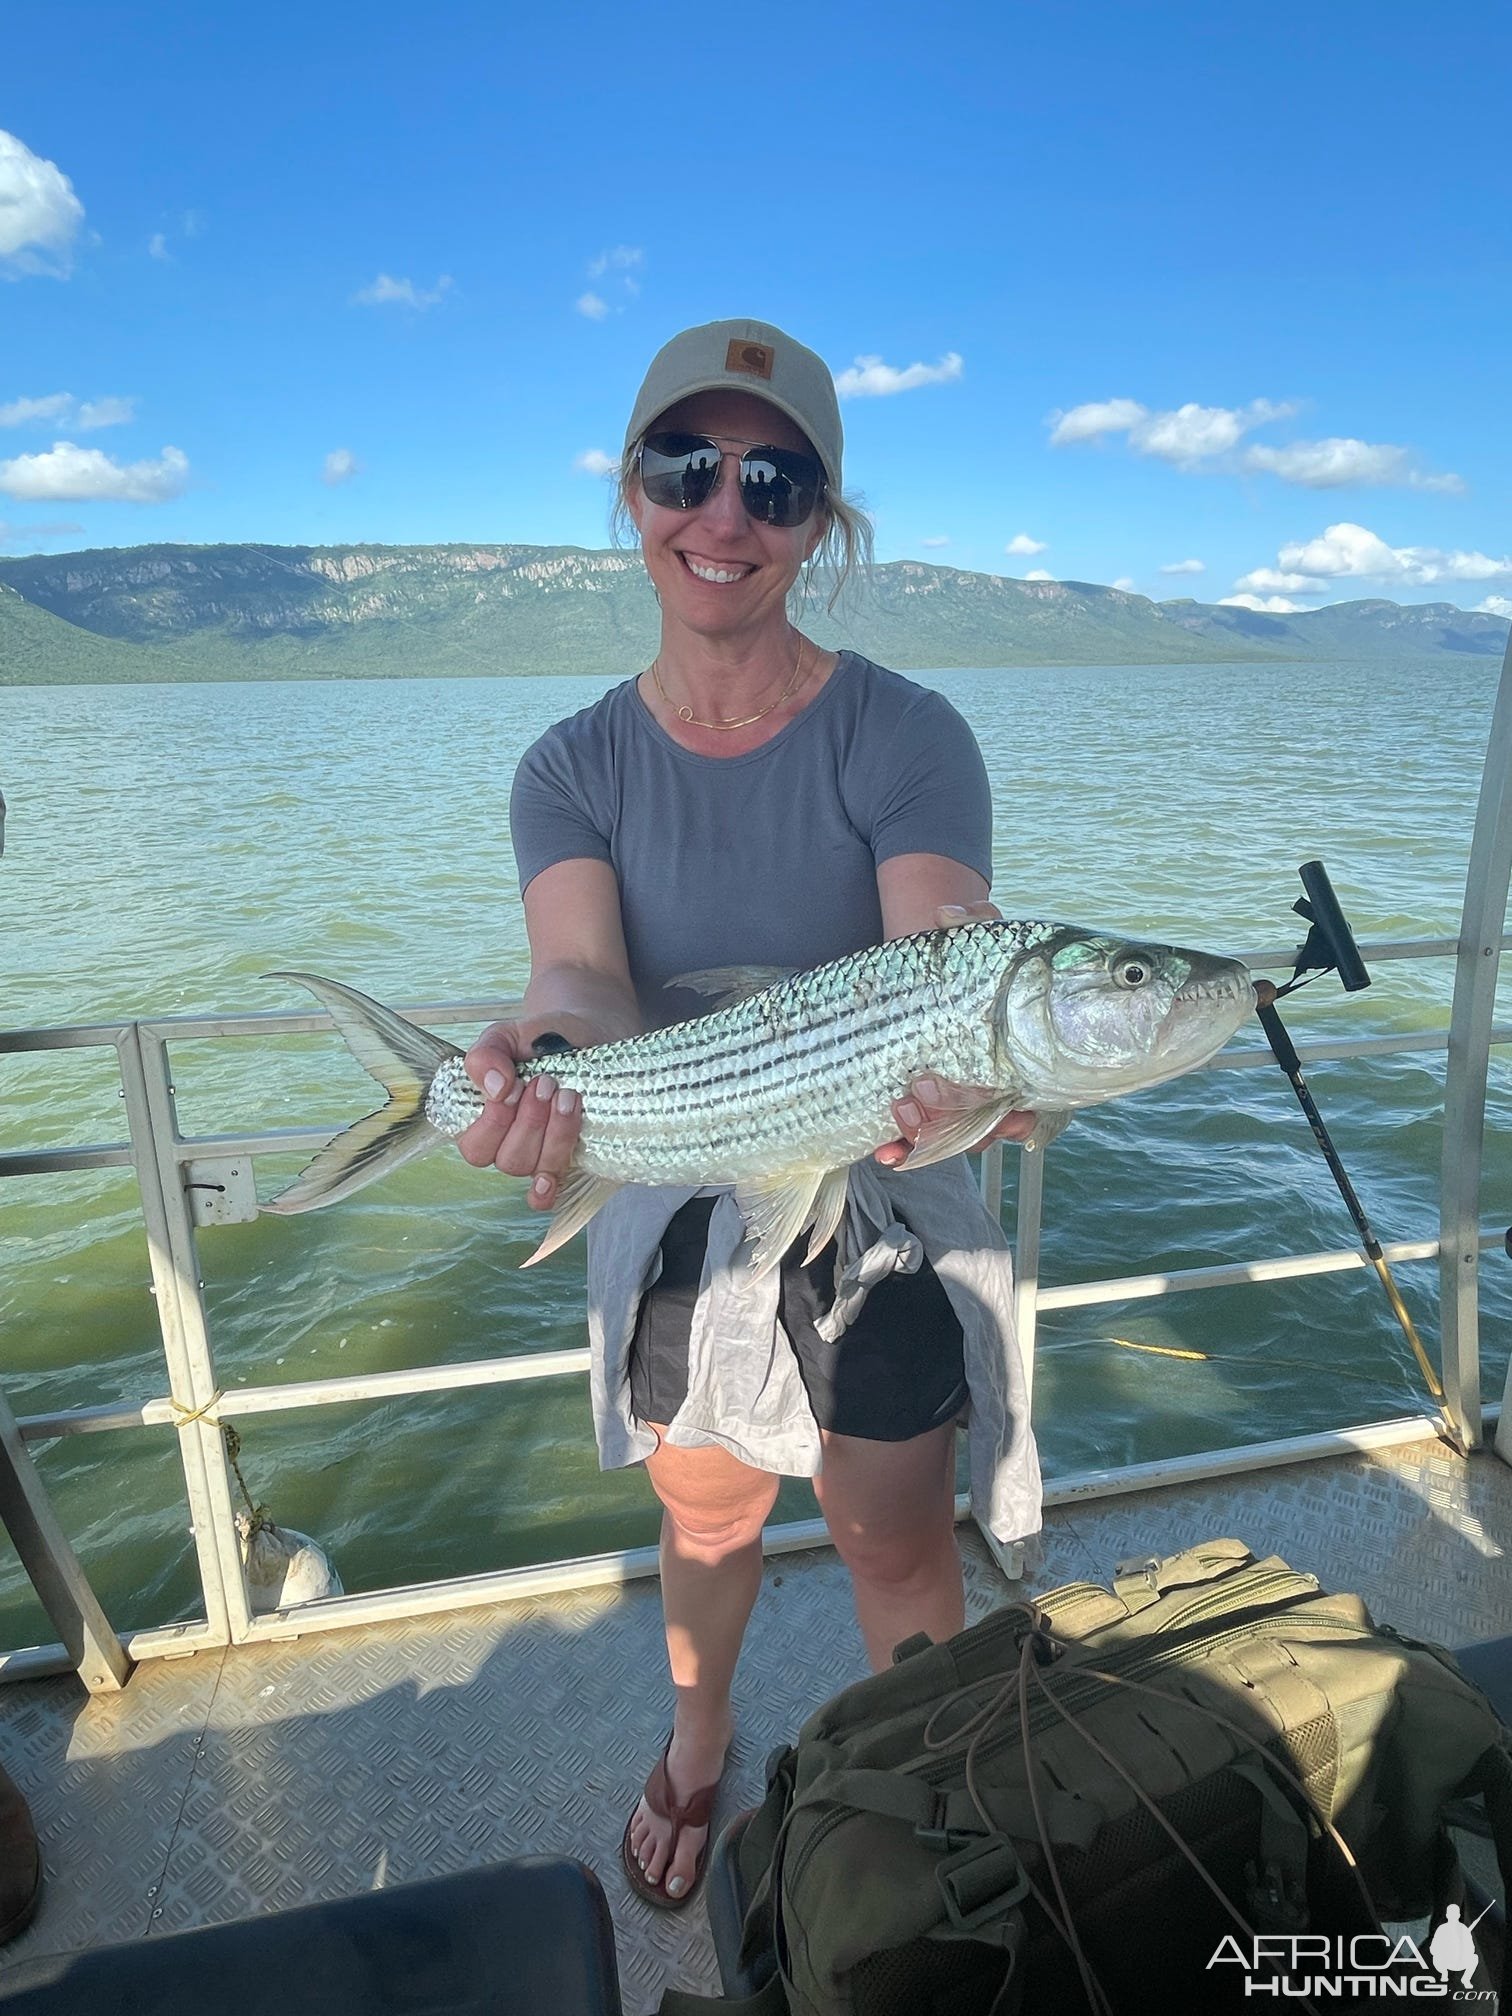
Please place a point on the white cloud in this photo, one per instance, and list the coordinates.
(618, 259)
(1190, 434)
(595, 462)
(157, 247)
(66, 472)
(1086, 423)
(1182, 435)
(62, 409)
(870, 378)
(1495, 605)
(340, 466)
(20, 411)
(386, 290)
(1348, 551)
(12, 535)
(1267, 581)
(1340, 461)
(96, 413)
(39, 213)
(939, 540)
(1184, 567)
(1022, 543)
(594, 306)
(1038, 574)
(1125, 582)
(1267, 605)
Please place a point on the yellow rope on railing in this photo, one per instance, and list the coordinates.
(185, 1417)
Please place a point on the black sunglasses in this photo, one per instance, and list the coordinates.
(778, 486)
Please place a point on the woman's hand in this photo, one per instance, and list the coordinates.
(527, 1127)
(935, 1098)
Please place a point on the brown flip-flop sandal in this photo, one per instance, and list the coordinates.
(696, 1811)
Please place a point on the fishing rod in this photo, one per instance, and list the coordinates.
(1330, 948)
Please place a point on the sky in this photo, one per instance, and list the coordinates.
(1194, 299)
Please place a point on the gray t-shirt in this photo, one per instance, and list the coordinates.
(765, 859)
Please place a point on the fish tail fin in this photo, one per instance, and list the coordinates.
(404, 1059)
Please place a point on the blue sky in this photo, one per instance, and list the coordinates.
(1140, 286)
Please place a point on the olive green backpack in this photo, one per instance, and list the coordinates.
(1222, 1753)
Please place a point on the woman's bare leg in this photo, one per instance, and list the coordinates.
(890, 1508)
(714, 1508)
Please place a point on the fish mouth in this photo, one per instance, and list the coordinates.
(1208, 1008)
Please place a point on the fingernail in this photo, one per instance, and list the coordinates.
(545, 1087)
(910, 1115)
(676, 1887)
(927, 1089)
(953, 910)
(541, 1186)
(640, 1863)
(515, 1093)
(493, 1083)
(566, 1100)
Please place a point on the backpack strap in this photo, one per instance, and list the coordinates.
(768, 2001)
(1492, 1780)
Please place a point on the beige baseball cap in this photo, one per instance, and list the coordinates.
(745, 356)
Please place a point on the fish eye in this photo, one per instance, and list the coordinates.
(1131, 970)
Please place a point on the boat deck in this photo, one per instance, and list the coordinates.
(234, 1782)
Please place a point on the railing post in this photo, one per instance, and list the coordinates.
(1475, 973)
(27, 1515)
(1026, 1258)
(181, 1318)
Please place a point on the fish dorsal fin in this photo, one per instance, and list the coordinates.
(776, 1209)
(829, 1207)
(729, 984)
(579, 1195)
(953, 1133)
(401, 1055)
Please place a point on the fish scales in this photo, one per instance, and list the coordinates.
(803, 1073)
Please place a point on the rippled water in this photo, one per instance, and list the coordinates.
(167, 846)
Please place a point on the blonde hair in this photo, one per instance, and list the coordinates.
(844, 552)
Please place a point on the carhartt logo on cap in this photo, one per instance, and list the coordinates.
(755, 359)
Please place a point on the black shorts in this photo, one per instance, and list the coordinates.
(897, 1372)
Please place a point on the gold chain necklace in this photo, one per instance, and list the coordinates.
(686, 713)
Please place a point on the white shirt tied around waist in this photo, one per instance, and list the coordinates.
(745, 1392)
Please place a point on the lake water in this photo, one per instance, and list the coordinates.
(167, 846)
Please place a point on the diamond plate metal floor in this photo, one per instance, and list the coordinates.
(235, 1782)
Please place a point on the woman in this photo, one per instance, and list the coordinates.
(753, 800)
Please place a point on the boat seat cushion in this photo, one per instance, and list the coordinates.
(518, 1939)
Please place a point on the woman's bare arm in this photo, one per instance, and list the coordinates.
(580, 988)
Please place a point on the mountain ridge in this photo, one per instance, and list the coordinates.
(249, 610)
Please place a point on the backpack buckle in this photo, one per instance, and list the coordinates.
(937, 1832)
(982, 1883)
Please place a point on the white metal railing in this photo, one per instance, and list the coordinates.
(164, 1161)
(197, 1409)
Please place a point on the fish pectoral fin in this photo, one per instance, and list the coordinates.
(953, 1133)
(1046, 1129)
(579, 1195)
(776, 1209)
(829, 1208)
(730, 984)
